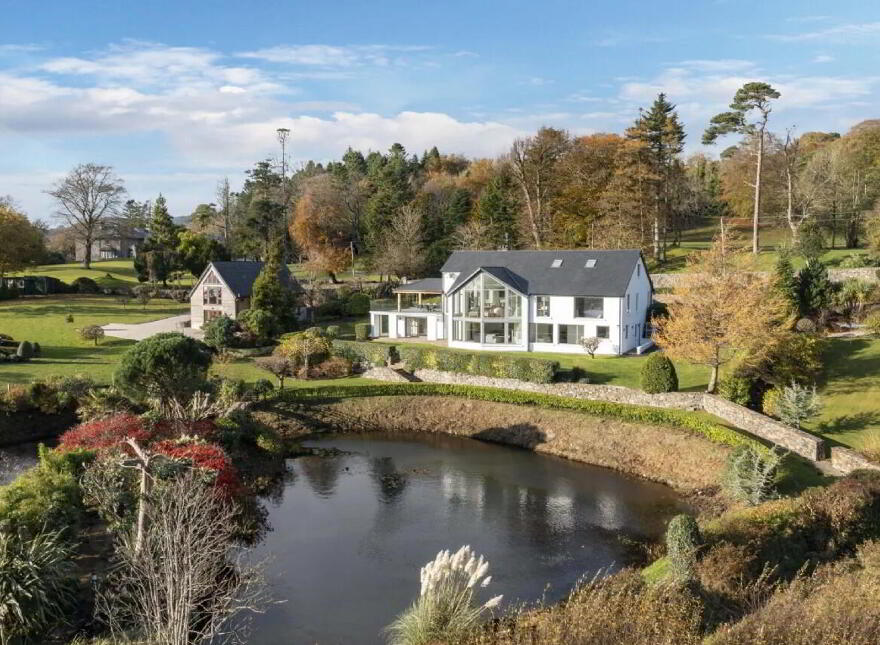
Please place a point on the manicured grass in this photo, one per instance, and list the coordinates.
(43, 320)
(850, 392)
(700, 237)
(106, 273)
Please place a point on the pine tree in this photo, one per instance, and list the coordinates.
(815, 289)
(785, 281)
(160, 251)
(268, 294)
(497, 210)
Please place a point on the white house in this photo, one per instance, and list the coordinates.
(545, 301)
(224, 289)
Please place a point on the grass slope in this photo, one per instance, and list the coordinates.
(107, 273)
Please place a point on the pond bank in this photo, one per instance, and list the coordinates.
(672, 456)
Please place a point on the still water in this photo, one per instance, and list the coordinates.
(14, 460)
(350, 532)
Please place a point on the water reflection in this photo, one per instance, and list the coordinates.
(14, 460)
(352, 530)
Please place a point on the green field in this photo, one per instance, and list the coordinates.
(850, 393)
(43, 320)
(106, 273)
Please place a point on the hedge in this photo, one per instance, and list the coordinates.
(365, 352)
(533, 370)
(634, 413)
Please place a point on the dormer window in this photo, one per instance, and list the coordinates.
(556, 263)
(590, 264)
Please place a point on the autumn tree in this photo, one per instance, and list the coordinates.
(401, 249)
(534, 163)
(751, 98)
(22, 243)
(321, 227)
(86, 197)
(721, 310)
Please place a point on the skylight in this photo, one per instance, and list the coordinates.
(590, 264)
(557, 263)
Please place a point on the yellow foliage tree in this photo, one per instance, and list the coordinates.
(22, 244)
(722, 310)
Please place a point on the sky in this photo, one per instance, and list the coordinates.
(175, 95)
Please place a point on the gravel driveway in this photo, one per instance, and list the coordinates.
(145, 330)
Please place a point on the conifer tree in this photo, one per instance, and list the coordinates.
(161, 247)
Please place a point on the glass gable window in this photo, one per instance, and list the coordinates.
(570, 334)
(212, 295)
(491, 312)
(589, 307)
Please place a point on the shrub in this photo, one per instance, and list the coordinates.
(736, 388)
(85, 285)
(658, 374)
(357, 304)
(805, 326)
(770, 402)
(15, 398)
(533, 370)
(796, 404)
(362, 331)
(206, 457)
(105, 434)
(166, 366)
(279, 366)
(260, 324)
(92, 332)
(446, 609)
(333, 367)
(38, 351)
(305, 348)
(36, 584)
(590, 345)
(872, 324)
(365, 354)
(262, 388)
(25, 350)
(683, 541)
(220, 332)
(332, 331)
(68, 318)
(749, 475)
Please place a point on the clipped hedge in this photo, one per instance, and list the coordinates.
(533, 370)
(365, 353)
(634, 413)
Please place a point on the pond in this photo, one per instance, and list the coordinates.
(14, 460)
(350, 532)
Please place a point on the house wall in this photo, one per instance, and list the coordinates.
(562, 313)
(397, 324)
(632, 321)
(229, 306)
(121, 247)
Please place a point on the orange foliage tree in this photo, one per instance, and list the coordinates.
(322, 228)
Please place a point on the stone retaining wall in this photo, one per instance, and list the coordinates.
(612, 393)
(755, 423)
(868, 274)
(797, 441)
(846, 460)
(385, 374)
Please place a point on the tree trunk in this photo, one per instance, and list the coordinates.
(713, 380)
(87, 257)
(757, 211)
(333, 277)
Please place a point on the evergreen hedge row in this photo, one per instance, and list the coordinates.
(533, 370)
(634, 413)
(365, 352)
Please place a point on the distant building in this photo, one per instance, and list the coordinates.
(224, 289)
(544, 301)
(113, 243)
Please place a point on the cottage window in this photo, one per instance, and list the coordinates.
(212, 296)
(589, 307)
(542, 306)
(627, 303)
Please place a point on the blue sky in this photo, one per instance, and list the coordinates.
(175, 95)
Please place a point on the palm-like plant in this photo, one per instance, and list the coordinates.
(34, 583)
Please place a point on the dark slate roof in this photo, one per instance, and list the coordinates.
(535, 274)
(240, 275)
(426, 285)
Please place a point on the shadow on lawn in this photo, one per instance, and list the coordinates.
(848, 364)
(849, 422)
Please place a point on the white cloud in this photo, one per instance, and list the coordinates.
(719, 65)
(847, 34)
(333, 55)
(823, 58)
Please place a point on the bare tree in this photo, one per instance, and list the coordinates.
(534, 162)
(401, 251)
(182, 584)
(85, 197)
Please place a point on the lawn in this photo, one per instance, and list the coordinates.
(850, 392)
(700, 237)
(43, 320)
(107, 273)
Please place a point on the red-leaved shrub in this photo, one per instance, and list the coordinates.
(104, 434)
(205, 456)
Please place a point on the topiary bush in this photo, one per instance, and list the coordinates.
(362, 331)
(167, 365)
(683, 541)
(332, 331)
(357, 304)
(85, 285)
(38, 351)
(220, 332)
(658, 375)
(25, 350)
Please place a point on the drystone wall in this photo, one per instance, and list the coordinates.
(867, 274)
(846, 460)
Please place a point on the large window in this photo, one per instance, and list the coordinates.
(570, 334)
(589, 307)
(542, 306)
(541, 333)
(212, 295)
(490, 310)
